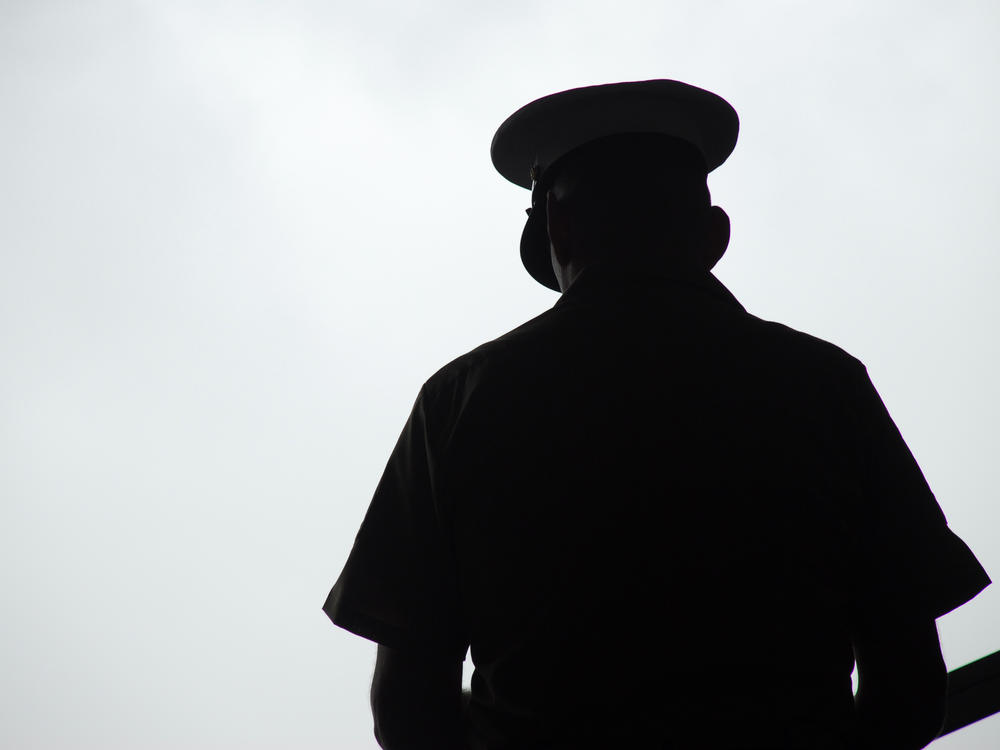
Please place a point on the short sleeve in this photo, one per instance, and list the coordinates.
(909, 563)
(399, 585)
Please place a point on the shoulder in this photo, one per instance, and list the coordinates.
(516, 348)
(559, 334)
(800, 352)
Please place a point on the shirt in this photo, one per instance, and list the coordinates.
(653, 518)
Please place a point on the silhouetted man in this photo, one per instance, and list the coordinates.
(657, 520)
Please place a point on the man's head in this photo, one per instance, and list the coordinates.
(640, 199)
(623, 167)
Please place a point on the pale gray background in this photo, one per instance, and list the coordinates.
(237, 237)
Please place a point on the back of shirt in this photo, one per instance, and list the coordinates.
(653, 517)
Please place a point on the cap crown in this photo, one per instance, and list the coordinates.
(541, 132)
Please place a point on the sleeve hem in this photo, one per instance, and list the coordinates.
(361, 624)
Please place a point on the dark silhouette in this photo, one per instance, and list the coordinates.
(657, 520)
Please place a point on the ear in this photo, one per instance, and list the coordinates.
(716, 237)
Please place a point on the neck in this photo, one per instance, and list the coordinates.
(672, 266)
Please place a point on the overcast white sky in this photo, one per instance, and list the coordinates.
(237, 237)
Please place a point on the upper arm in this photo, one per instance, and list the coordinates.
(399, 585)
(906, 558)
(909, 569)
(416, 698)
